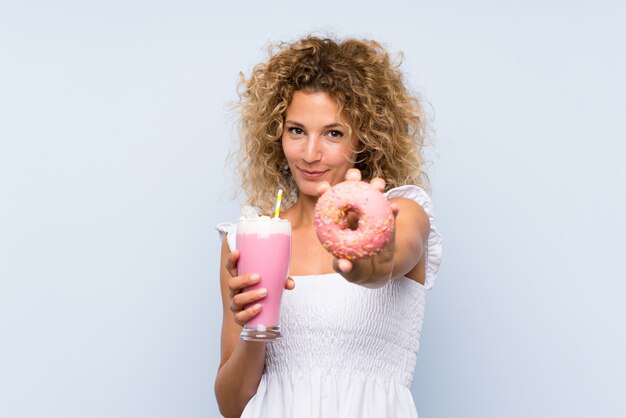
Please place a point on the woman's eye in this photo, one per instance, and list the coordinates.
(335, 134)
(296, 131)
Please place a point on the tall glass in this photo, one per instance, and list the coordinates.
(264, 246)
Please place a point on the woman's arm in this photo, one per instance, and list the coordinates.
(241, 363)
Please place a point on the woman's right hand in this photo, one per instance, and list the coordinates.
(243, 303)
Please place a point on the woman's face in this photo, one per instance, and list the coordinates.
(315, 141)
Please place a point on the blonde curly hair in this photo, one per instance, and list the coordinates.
(388, 121)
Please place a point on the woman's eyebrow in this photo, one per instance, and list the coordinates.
(294, 123)
(298, 124)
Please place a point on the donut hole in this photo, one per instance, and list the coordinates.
(351, 217)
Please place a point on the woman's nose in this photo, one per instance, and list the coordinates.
(312, 149)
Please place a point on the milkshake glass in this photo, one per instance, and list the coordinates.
(264, 246)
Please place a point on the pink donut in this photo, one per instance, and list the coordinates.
(376, 220)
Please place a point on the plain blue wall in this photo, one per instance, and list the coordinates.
(113, 134)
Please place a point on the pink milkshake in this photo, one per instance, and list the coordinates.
(264, 245)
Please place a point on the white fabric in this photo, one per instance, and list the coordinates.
(347, 351)
(433, 245)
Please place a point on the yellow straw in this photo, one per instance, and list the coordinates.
(278, 199)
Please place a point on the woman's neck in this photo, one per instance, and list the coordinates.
(302, 212)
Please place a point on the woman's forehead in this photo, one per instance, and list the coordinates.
(316, 106)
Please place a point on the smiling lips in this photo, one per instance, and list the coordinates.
(311, 175)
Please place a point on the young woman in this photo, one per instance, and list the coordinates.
(319, 112)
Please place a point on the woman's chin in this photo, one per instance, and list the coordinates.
(308, 189)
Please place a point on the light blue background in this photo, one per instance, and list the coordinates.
(113, 134)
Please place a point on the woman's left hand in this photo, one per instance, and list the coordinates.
(376, 270)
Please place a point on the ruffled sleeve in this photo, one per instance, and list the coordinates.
(433, 245)
(228, 230)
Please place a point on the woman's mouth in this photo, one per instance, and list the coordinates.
(311, 174)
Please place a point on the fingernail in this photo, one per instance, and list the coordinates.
(255, 278)
(261, 292)
(257, 307)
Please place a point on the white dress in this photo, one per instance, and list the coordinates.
(347, 351)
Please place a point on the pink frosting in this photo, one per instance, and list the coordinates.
(376, 220)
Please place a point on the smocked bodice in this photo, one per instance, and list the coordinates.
(333, 325)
